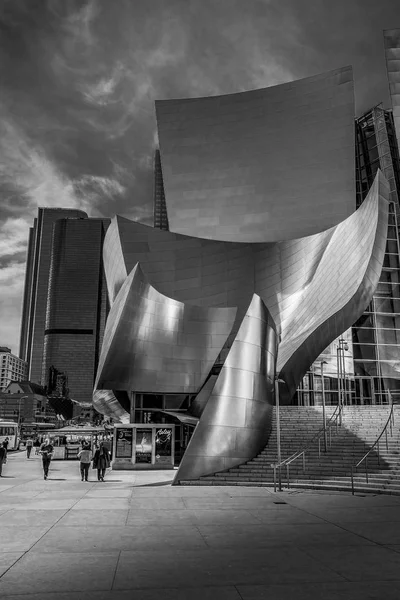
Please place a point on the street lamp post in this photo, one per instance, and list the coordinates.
(19, 409)
(323, 362)
(341, 369)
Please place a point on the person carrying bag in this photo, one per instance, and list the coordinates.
(101, 461)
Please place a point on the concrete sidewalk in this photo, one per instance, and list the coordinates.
(69, 540)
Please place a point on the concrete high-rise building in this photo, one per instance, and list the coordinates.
(76, 308)
(65, 302)
(12, 368)
(36, 286)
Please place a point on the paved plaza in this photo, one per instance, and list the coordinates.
(135, 536)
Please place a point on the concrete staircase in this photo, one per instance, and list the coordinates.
(361, 426)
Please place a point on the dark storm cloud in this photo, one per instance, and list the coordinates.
(79, 80)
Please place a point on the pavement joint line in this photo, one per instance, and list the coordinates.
(238, 593)
(304, 549)
(115, 570)
(363, 537)
(45, 533)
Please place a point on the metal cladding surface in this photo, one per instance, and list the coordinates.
(155, 344)
(341, 288)
(306, 282)
(113, 261)
(105, 402)
(392, 52)
(260, 166)
(303, 282)
(237, 419)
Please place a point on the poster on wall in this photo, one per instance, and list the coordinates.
(163, 445)
(144, 439)
(124, 443)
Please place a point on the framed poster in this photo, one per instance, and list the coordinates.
(124, 443)
(163, 445)
(144, 442)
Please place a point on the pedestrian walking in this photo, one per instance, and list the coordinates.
(101, 461)
(85, 457)
(3, 456)
(5, 444)
(46, 450)
(36, 443)
(29, 445)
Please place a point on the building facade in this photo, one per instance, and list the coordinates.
(37, 286)
(25, 402)
(76, 309)
(232, 304)
(65, 303)
(12, 368)
(372, 355)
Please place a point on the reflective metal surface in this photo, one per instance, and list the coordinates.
(323, 283)
(392, 52)
(155, 344)
(105, 402)
(236, 421)
(264, 165)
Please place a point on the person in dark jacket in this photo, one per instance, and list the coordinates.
(3, 456)
(101, 461)
(46, 450)
(29, 446)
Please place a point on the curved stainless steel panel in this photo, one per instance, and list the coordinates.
(105, 402)
(236, 421)
(392, 52)
(238, 167)
(342, 287)
(303, 282)
(155, 344)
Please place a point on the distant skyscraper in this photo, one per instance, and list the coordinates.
(76, 306)
(160, 207)
(12, 368)
(65, 301)
(36, 286)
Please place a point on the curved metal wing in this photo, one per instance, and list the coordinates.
(158, 345)
(236, 421)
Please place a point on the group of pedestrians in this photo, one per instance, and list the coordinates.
(101, 461)
(100, 458)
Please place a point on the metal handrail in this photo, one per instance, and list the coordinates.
(389, 422)
(287, 461)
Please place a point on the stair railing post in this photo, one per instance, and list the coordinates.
(304, 462)
(366, 469)
(379, 458)
(352, 480)
(274, 468)
(323, 362)
(339, 380)
(386, 436)
(278, 432)
(287, 475)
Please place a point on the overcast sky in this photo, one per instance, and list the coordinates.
(79, 79)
